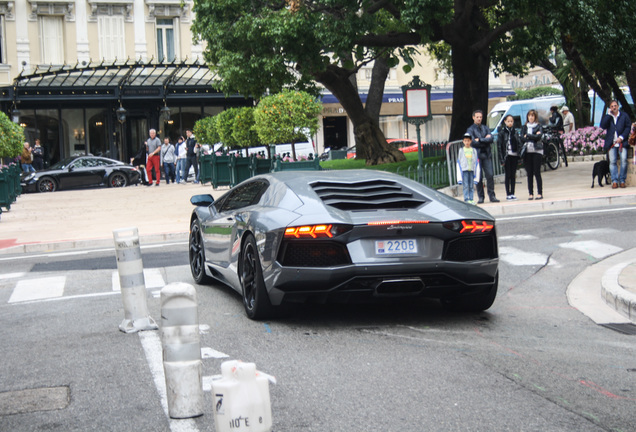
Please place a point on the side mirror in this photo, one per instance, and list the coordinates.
(203, 200)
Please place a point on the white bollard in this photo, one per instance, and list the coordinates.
(181, 350)
(131, 279)
(241, 399)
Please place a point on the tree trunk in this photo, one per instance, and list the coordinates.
(470, 87)
(370, 141)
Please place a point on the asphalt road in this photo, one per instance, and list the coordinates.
(530, 363)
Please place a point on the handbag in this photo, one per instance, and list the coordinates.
(524, 150)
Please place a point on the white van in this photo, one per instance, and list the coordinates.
(519, 109)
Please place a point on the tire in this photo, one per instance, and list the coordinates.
(551, 155)
(473, 302)
(117, 180)
(255, 299)
(46, 184)
(196, 255)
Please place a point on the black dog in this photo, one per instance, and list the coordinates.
(600, 170)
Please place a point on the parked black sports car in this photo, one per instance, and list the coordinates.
(344, 236)
(81, 171)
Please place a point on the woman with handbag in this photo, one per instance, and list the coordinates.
(533, 157)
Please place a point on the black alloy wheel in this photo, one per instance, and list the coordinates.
(255, 298)
(117, 180)
(47, 184)
(196, 254)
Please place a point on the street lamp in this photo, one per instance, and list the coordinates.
(417, 110)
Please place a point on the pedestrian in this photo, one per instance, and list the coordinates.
(38, 156)
(139, 162)
(568, 120)
(617, 126)
(191, 156)
(533, 158)
(556, 121)
(26, 158)
(509, 145)
(467, 168)
(154, 159)
(482, 141)
(168, 160)
(181, 151)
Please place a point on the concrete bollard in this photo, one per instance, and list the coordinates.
(181, 350)
(131, 279)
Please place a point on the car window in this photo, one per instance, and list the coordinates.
(243, 196)
(100, 162)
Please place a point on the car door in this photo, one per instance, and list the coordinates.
(221, 232)
(82, 172)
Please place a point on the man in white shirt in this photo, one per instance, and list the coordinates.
(568, 120)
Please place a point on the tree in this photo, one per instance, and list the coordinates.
(11, 137)
(243, 130)
(205, 130)
(225, 127)
(258, 47)
(287, 117)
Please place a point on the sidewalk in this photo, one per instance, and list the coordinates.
(83, 219)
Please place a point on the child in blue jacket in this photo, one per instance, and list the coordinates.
(467, 168)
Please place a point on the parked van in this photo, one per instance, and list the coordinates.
(519, 109)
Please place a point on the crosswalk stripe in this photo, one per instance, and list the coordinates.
(152, 277)
(38, 288)
(592, 247)
(517, 257)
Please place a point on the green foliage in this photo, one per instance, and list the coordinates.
(206, 131)
(410, 162)
(11, 137)
(283, 117)
(521, 94)
(225, 127)
(244, 133)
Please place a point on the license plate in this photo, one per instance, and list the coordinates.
(395, 247)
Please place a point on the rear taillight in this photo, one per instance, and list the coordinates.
(315, 231)
(470, 226)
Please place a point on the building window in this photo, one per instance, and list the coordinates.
(112, 44)
(51, 39)
(166, 40)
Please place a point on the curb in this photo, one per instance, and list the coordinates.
(583, 292)
(90, 244)
(617, 297)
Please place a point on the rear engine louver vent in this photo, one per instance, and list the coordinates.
(367, 195)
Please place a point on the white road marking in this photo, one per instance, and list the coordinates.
(543, 215)
(37, 289)
(592, 247)
(152, 277)
(207, 352)
(152, 348)
(595, 232)
(11, 275)
(519, 237)
(518, 257)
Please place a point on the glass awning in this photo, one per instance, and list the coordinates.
(116, 79)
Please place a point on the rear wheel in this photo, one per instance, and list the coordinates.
(117, 180)
(473, 302)
(255, 298)
(196, 255)
(551, 152)
(47, 184)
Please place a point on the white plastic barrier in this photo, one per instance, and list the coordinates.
(181, 350)
(241, 399)
(131, 279)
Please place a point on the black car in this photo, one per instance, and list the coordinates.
(344, 236)
(79, 172)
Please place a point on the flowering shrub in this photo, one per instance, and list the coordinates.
(585, 141)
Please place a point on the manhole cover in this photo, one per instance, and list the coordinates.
(31, 400)
(625, 328)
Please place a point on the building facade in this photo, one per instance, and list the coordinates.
(93, 76)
